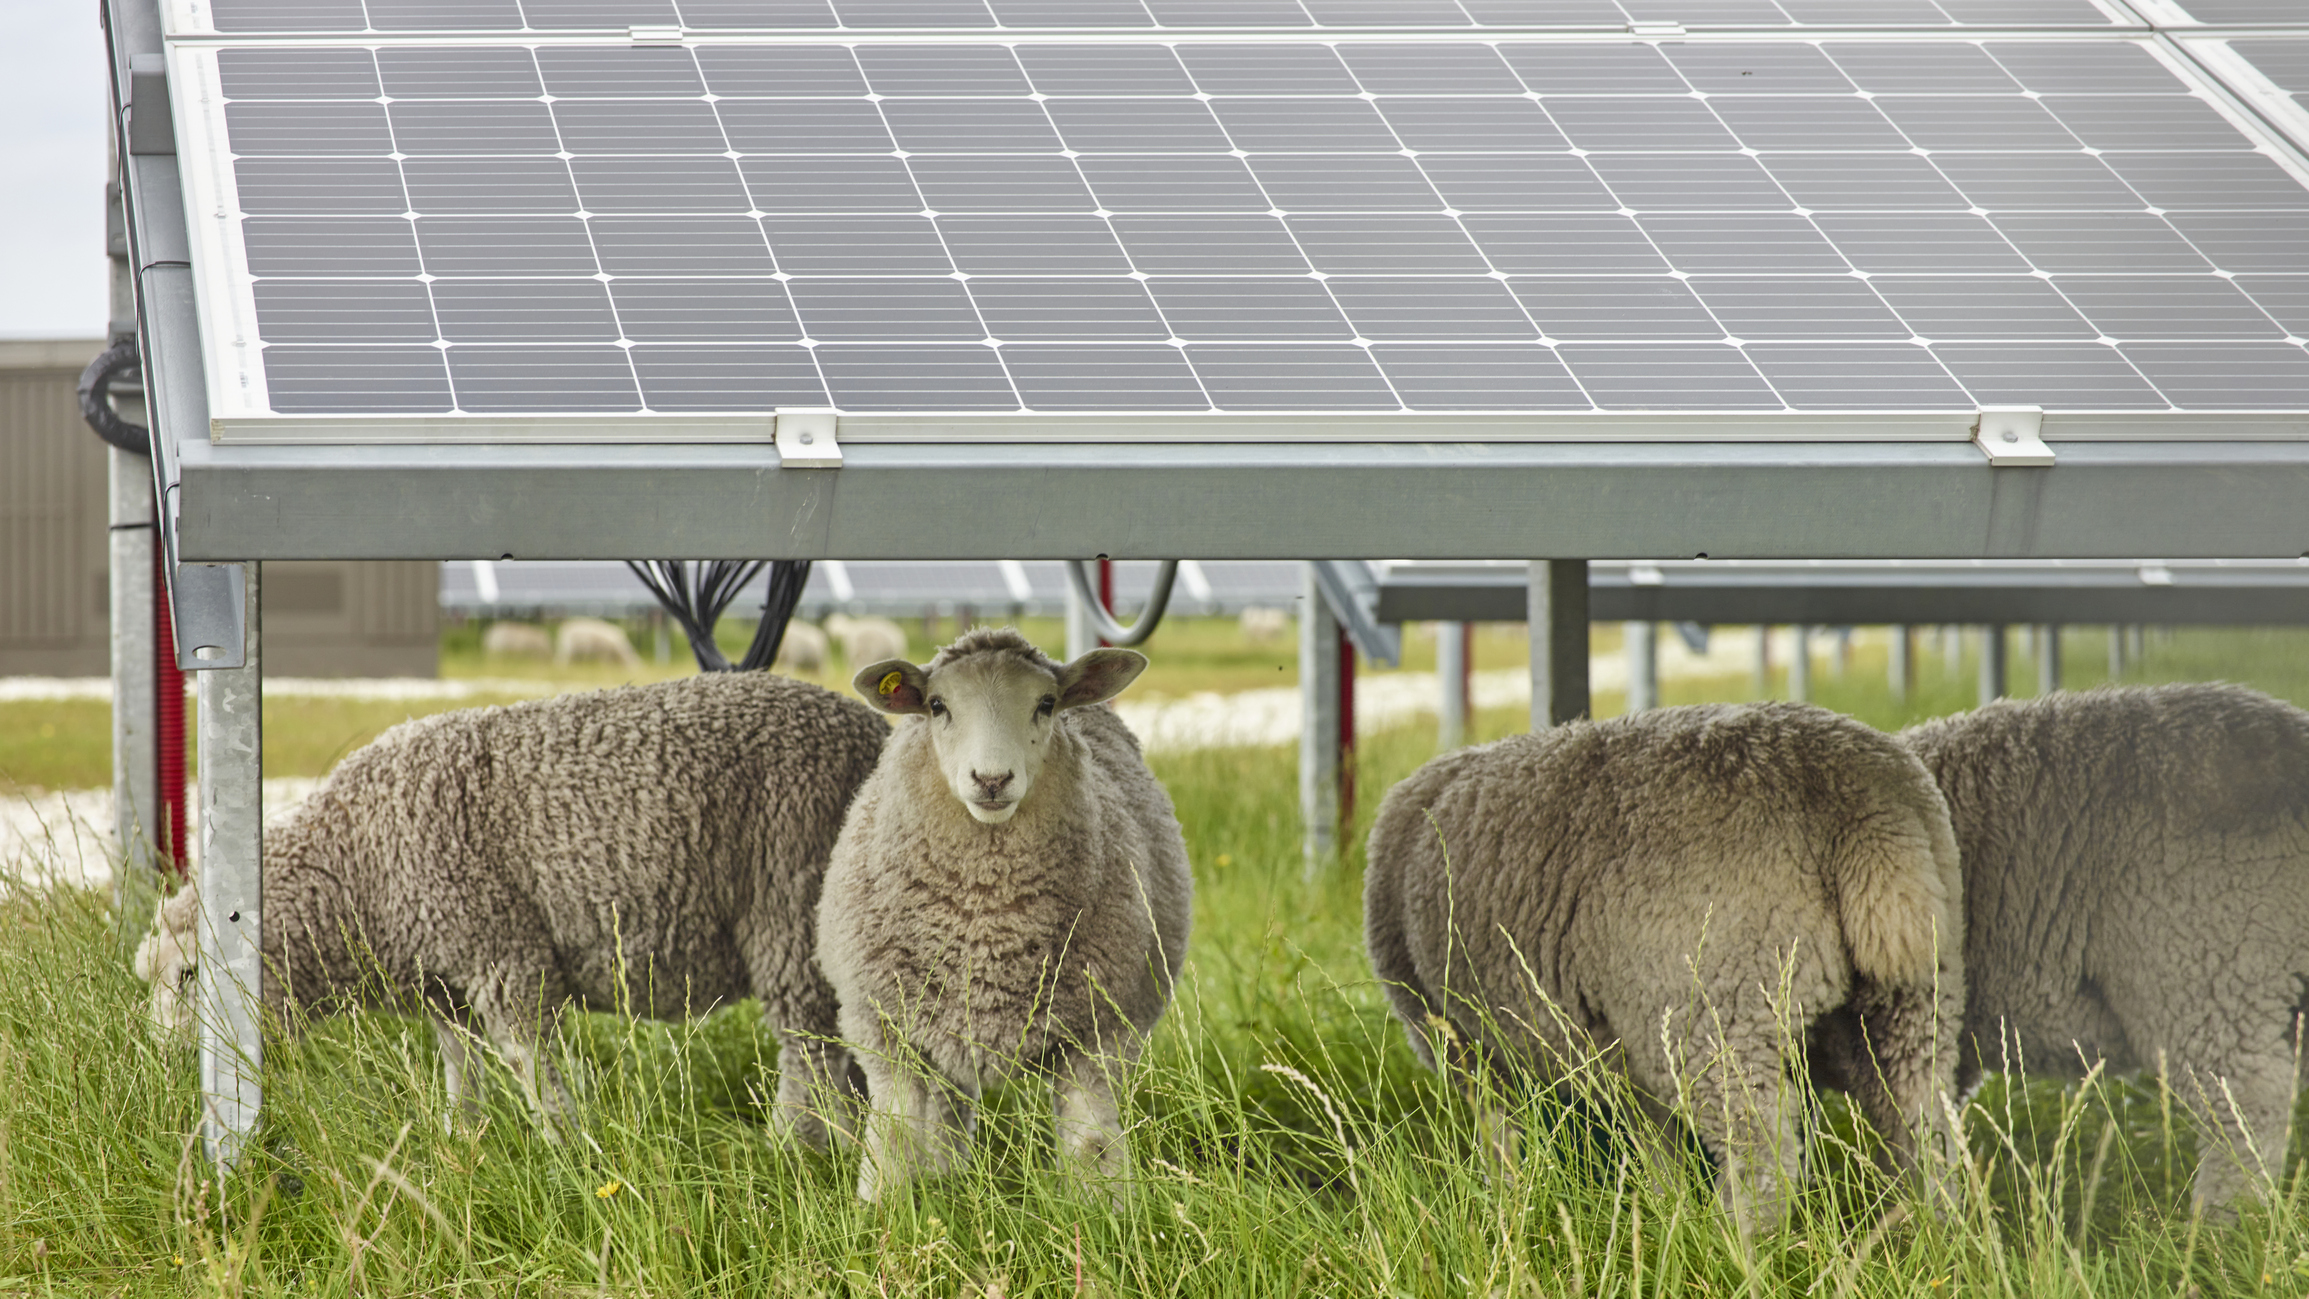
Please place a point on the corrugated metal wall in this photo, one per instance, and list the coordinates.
(329, 618)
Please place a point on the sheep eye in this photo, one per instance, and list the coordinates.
(1048, 705)
(185, 976)
(937, 708)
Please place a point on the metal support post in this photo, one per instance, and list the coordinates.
(2116, 652)
(1951, 650)
(1642, 644)
(1557, 609)
(232, 894)
(2136, 644)
(1081, 637)
(1840, 657)
(2048, 659)
(1454, 645)
(1992, 663)
(137, 823)
(1800, 665)
(1763, 682)
(1319, 696)
(1900, 662)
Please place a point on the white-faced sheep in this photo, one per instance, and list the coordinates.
(866, 640)
(1010, 894)
(1687, 892)
(504, 862)
(580, 640)
(2136, 867)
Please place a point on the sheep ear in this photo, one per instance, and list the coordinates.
(1098, 676)
(893, 685)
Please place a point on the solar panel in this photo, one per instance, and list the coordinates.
(240, 17)
(514, 236)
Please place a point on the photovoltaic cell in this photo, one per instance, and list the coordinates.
(1501, 223)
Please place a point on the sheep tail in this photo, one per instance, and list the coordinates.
(1897, 898)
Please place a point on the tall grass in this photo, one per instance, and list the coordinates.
(1285, 1142)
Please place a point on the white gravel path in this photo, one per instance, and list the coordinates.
(66, 836)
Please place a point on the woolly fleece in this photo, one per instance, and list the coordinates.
(1642, 886)
(2136, 867)
(965, 953)
(507, 861)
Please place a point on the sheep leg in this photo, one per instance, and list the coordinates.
(918, 1126)
(1091, 1144)
(814, 1097)
(1752, 1125)
(525, 1032)
(1896, 1061)
(2244, 1112)
(462, 1069)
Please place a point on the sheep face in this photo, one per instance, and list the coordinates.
(991, 715)
(167, 959)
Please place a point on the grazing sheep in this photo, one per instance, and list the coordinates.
(516, 640)
(1261, 625)
(579, 640)
(1684, 890)
(802, 650)
(1010, 893)
(2136, 868)
(503, 862)
(867, 640)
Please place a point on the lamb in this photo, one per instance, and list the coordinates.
(866, 640)
(2136, 870)
(501, 863)
(1009, 894)
(1684, 891)
(586, 639)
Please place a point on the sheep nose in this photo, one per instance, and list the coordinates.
(992, 785)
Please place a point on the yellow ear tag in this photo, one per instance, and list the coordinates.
(890, 683)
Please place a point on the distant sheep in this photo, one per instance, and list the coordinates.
(1261, 625)
(583, 640)
(1643, 886)
(1010, 894)
(503, 862)
(2137, 891)
(516, 640)
(802, 650)
(866, 640)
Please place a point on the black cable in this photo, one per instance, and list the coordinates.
(96, 398)
(696, 598)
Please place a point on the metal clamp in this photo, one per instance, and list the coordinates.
(2012, 435)
(806, 438)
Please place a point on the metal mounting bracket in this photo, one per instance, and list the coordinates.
(806, 439)
(2012, 435)
(209, 609)
(151, 127)
(1352, 590)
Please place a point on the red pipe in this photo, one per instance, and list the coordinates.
(1346, 733)
(168, 723)
(1106, 590)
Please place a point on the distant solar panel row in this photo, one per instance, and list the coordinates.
(250, 16)
(1360, 226)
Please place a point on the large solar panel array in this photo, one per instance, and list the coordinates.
(966, 223)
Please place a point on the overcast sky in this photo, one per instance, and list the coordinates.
(52, 272)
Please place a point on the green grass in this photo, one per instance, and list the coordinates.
(1355, 1173)
(1285, 1140)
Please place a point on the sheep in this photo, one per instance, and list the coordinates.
(867, 640)
(803, 649)
(585, 639)
(1261, 625)
(658, 846)
(1684, 891)
(1009, 894)
(516, 640)
(2136, 869)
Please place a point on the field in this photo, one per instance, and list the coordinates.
(1285, 1141)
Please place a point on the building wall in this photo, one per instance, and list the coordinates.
(323, 618)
